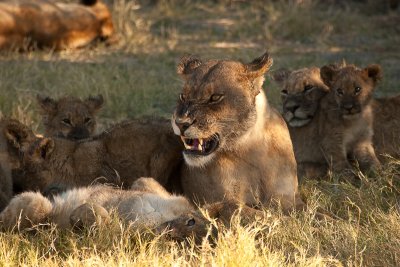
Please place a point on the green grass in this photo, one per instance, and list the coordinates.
(137, 77)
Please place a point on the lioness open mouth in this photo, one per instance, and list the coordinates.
(200, 146)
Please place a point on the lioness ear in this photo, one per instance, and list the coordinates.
(95, 103)
(187, 65)
(327, 74)
(281, 75)
(258, 66)
(47, 104)
(43, 149)
(17, 133)
(374, 72)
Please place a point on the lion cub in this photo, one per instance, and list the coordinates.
(15, 138)
(345, 123)
(28, 24)
(146, 205)
(302, 91)
(70, 117)
(119, 155)
(236, 145)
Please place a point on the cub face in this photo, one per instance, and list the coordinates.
(217, 105)
(352, 87)
(301, 93)
(70, 117)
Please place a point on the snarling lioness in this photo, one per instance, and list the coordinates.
(28, 24)
(236, 145)
(70, 117)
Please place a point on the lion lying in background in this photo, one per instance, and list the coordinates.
(29, 24)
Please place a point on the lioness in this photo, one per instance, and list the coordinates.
(15, 138)
(301, 93)
(148, 205)
(119, 155)
(27, 24)
(70, 117)
(236, 145)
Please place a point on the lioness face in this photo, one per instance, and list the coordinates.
(301, 93)
(352, 87)
(70, 117)
(217, 105)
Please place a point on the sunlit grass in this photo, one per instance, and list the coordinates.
(137, 77)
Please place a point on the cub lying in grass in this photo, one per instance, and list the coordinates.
(28, 24)
(70, 117)
(120, 155)
(147, 205)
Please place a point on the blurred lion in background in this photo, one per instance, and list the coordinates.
(31, 24)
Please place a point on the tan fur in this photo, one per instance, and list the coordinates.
(342, 128)
(70, 117)
(15, 139)
(254, 161)
(143, 207)
(26, 24)
(120, 155)
(387, 127)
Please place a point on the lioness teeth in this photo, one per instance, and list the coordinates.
(193, 144)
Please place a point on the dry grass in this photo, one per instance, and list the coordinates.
(137, 77)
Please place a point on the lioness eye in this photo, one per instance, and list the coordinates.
(190, 222)
(284, 92)
(215, 98)
(182, 97)
(66, 121)
(88, 120)
(339, 92)
(308, 88)
(357, 89)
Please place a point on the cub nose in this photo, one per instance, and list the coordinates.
(183, 124)
(348, 106)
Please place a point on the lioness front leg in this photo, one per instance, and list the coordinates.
(26, 210)
(88, 214)
(364, 153)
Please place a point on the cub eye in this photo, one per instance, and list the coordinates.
(357, 89)
(191, 222)
(308, 88)
(182, 97)
(215, 98)
(339, 92)
(88, 120)
(66, 121)
(284, 92)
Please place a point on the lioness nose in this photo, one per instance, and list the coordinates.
(183, 124)
(348, 106)
(292, 108)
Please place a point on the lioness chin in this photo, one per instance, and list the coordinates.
(236, 145)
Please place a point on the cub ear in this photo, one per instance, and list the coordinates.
(188, 64)
(258, 66)
(17, 133)
(95, 103)
(42, 149)
(281, 75)
(328, 72)
(47, 104)
(374, 72)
